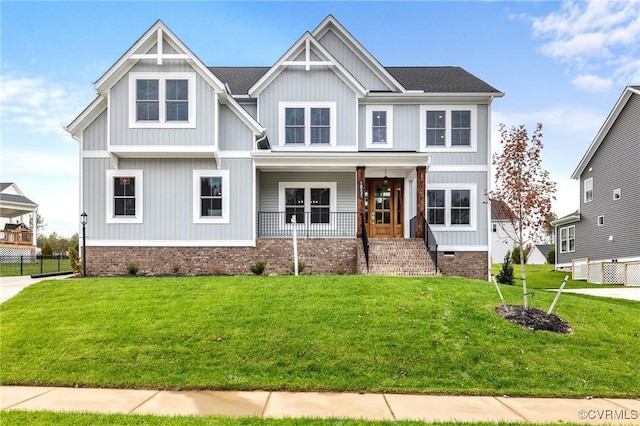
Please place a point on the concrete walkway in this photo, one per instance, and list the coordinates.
(326, 405)
(10, 286)
(629, 293)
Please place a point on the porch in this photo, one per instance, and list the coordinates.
(13, 237)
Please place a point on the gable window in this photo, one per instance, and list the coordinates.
(568, 239)
(379, 122)
(211, 196)
(162, 100)
(588, 190)
(448, 128)
(309, 202)
(124, 196)
(451, 206)
(310, 123)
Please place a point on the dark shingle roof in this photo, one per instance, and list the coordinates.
(429, 79)
(16, 199)
(5, 185)
(440, 80)
(544, 248)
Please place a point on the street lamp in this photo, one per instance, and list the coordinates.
(83, 221)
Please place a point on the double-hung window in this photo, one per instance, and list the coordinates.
(588, 190)
(451, 206)
(450, 127)
(211, 196)
(309, 202)
(162, 100)
(310, 123)
(379, 122)
(568, 239)
(124, 196)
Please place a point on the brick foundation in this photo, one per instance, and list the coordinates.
(469, 264)
(321, 256)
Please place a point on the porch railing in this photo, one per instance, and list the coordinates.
(16, 237)
(430, 241)
(365, 240)
(318, 224)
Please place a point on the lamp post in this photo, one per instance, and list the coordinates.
(83, 221)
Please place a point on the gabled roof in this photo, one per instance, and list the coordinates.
(13, 202)
(331, 24)
(307, 44)
(602, 133)
(441, 80)
(570, 218)
(542, 248)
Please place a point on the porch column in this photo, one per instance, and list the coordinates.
(421, 179)
(360, 182)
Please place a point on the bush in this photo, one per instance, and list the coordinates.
(301, 266)
(515, 255)
(132, 269)
(551, 256)
(74, 259)
(47, 250)
(258, 267)
(505, 276)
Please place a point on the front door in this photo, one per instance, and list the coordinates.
(384, 208)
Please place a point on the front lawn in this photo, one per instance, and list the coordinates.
(338, 333)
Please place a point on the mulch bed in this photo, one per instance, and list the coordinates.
(533, 319)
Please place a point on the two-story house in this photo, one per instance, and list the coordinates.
(202, 169)
(601, 241)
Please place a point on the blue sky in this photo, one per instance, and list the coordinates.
(564, 64)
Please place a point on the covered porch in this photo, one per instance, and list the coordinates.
(17, 217)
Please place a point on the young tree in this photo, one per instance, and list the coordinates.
(523, 190)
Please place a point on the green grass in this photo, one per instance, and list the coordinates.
(44, 418)
(29, 268)
(333, 333)
(544, 276)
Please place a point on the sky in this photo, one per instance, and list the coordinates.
(561, 63)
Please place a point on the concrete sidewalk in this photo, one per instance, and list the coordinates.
(312, 404)
(10, 286)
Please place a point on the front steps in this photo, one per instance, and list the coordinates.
(396, 257)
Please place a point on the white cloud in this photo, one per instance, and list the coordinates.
(36, 105)
(592, 83)
(598, 39)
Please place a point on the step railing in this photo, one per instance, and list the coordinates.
(430, 242)
(365, 240)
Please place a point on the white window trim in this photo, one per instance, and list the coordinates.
(447, 204)
(617, 194)
(162, 77)
(585, 189)
(601, 220)
(282, 106)
(224, 174)
(369, 122)
(566, 229)
(473, 143)
(110, 217)
(333, 202)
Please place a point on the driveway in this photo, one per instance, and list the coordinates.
(629, 293)
(10, 286)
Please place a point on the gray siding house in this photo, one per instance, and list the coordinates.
(193, 169)
(602, 240)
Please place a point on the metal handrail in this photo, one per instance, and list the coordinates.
(430, 242)
(365, 240)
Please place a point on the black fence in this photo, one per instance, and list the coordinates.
(309, 224)
(29, 265)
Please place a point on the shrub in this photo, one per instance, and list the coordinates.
(74, 258)
(551, 256)
(258, 267)
(175, 268)
(340, 270)
(301, 266)
(515, 255)
(505, 276)
(47, 250)
(132, 269)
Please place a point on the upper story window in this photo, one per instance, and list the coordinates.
(588, 190)
(210, 196)
(309, 123)
(450, 127)
(124, 196)
(451, 206)
(379, 124)
(159, 100)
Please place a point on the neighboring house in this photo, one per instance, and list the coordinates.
(501, 230)
(17, 213)
(203, 170)
(538, 254)
(602, 240)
